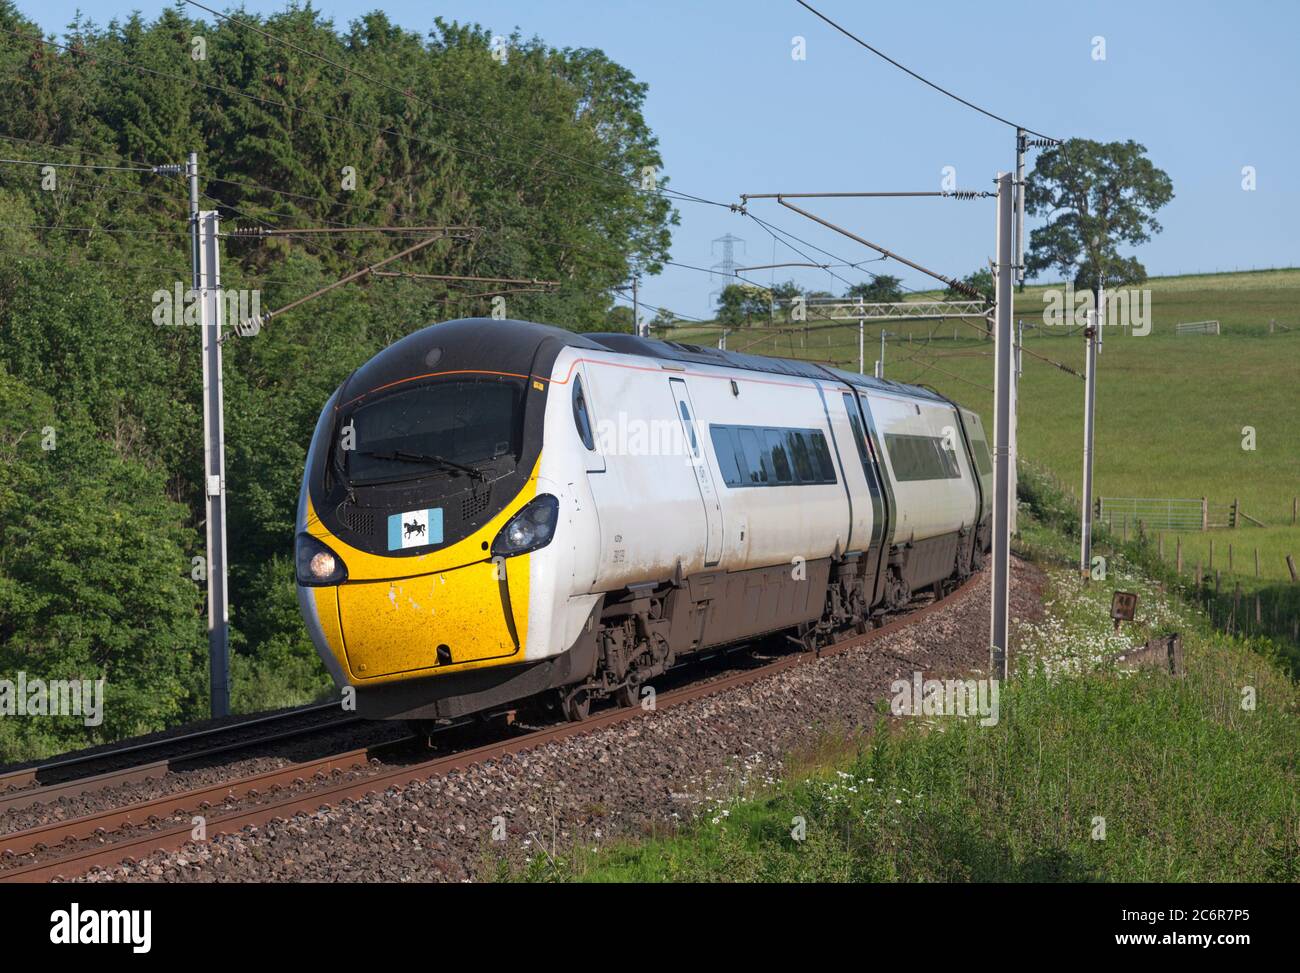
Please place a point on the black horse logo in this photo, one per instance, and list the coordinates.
(413, 528)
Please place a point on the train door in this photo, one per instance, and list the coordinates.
(695, 449)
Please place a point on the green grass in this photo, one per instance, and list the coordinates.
(1187, 784)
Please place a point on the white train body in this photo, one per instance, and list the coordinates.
(701, 497)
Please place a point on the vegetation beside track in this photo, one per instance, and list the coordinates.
(1092, 773)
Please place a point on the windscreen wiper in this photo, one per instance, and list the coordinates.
(405, 456)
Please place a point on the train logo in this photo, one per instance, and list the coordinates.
(414, 528)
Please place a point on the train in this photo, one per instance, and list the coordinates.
(500, 511)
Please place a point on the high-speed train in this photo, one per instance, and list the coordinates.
(494, 510)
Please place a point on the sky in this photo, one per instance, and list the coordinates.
(1208, 88)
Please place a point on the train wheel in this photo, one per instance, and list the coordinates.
(627, 695)
(576, 706)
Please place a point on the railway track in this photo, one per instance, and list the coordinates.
(84, 773)
(83, 844)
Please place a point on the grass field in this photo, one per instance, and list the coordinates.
(1170, 409)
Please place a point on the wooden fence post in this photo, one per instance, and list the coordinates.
(1211, 553)
(1290, 565)
(1205, 514)
(1230, 559)
(1257, 562)
(1179, 554)
(1236, 513)
(1295, 509)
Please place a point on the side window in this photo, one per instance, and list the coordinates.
(983, 462)
(690, 429)
(803, 462)
(753, 451)
(580, 417)
(822, 452)
(950, 460)
(776, 450)
(921, 458)
(763, 456)
(859, 439)
(724, 445)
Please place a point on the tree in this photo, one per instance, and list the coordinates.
(97, 537)
(1095, 196)
(663, 319)
(741, 304)
(881, 289)
(620, 320)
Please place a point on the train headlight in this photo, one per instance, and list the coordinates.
(316, 564)
(531, 528)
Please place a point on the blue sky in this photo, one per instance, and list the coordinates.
(1207, 87)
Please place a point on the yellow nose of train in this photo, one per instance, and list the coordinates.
(453, 609)
(420, 514)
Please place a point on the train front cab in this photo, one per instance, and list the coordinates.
(415, 540)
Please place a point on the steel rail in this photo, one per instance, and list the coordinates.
(31, 775)
(185, 802)
(19, 800)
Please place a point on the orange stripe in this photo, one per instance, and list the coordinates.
(416, 378)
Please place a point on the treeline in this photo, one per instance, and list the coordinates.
(100, 411)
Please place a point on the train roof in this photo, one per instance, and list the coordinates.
(520, 347)
(678, 351)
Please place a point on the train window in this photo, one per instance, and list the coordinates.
(983, 462)
(446, 428)
(776, 451)
(690, 429)
(581, 419)
(766, 456)
(803, 463)
(921, 458)
(822, 453)
(949, 454)
(856, 422)
(728, 453)
(752, 448)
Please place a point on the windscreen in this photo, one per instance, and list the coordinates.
(448, 427)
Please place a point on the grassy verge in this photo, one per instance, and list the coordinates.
(1091, 773)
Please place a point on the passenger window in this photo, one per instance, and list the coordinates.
(729, 460)
(823, 455)
(580, 417)
(780, 462)
(802, 460)
(753, 450)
